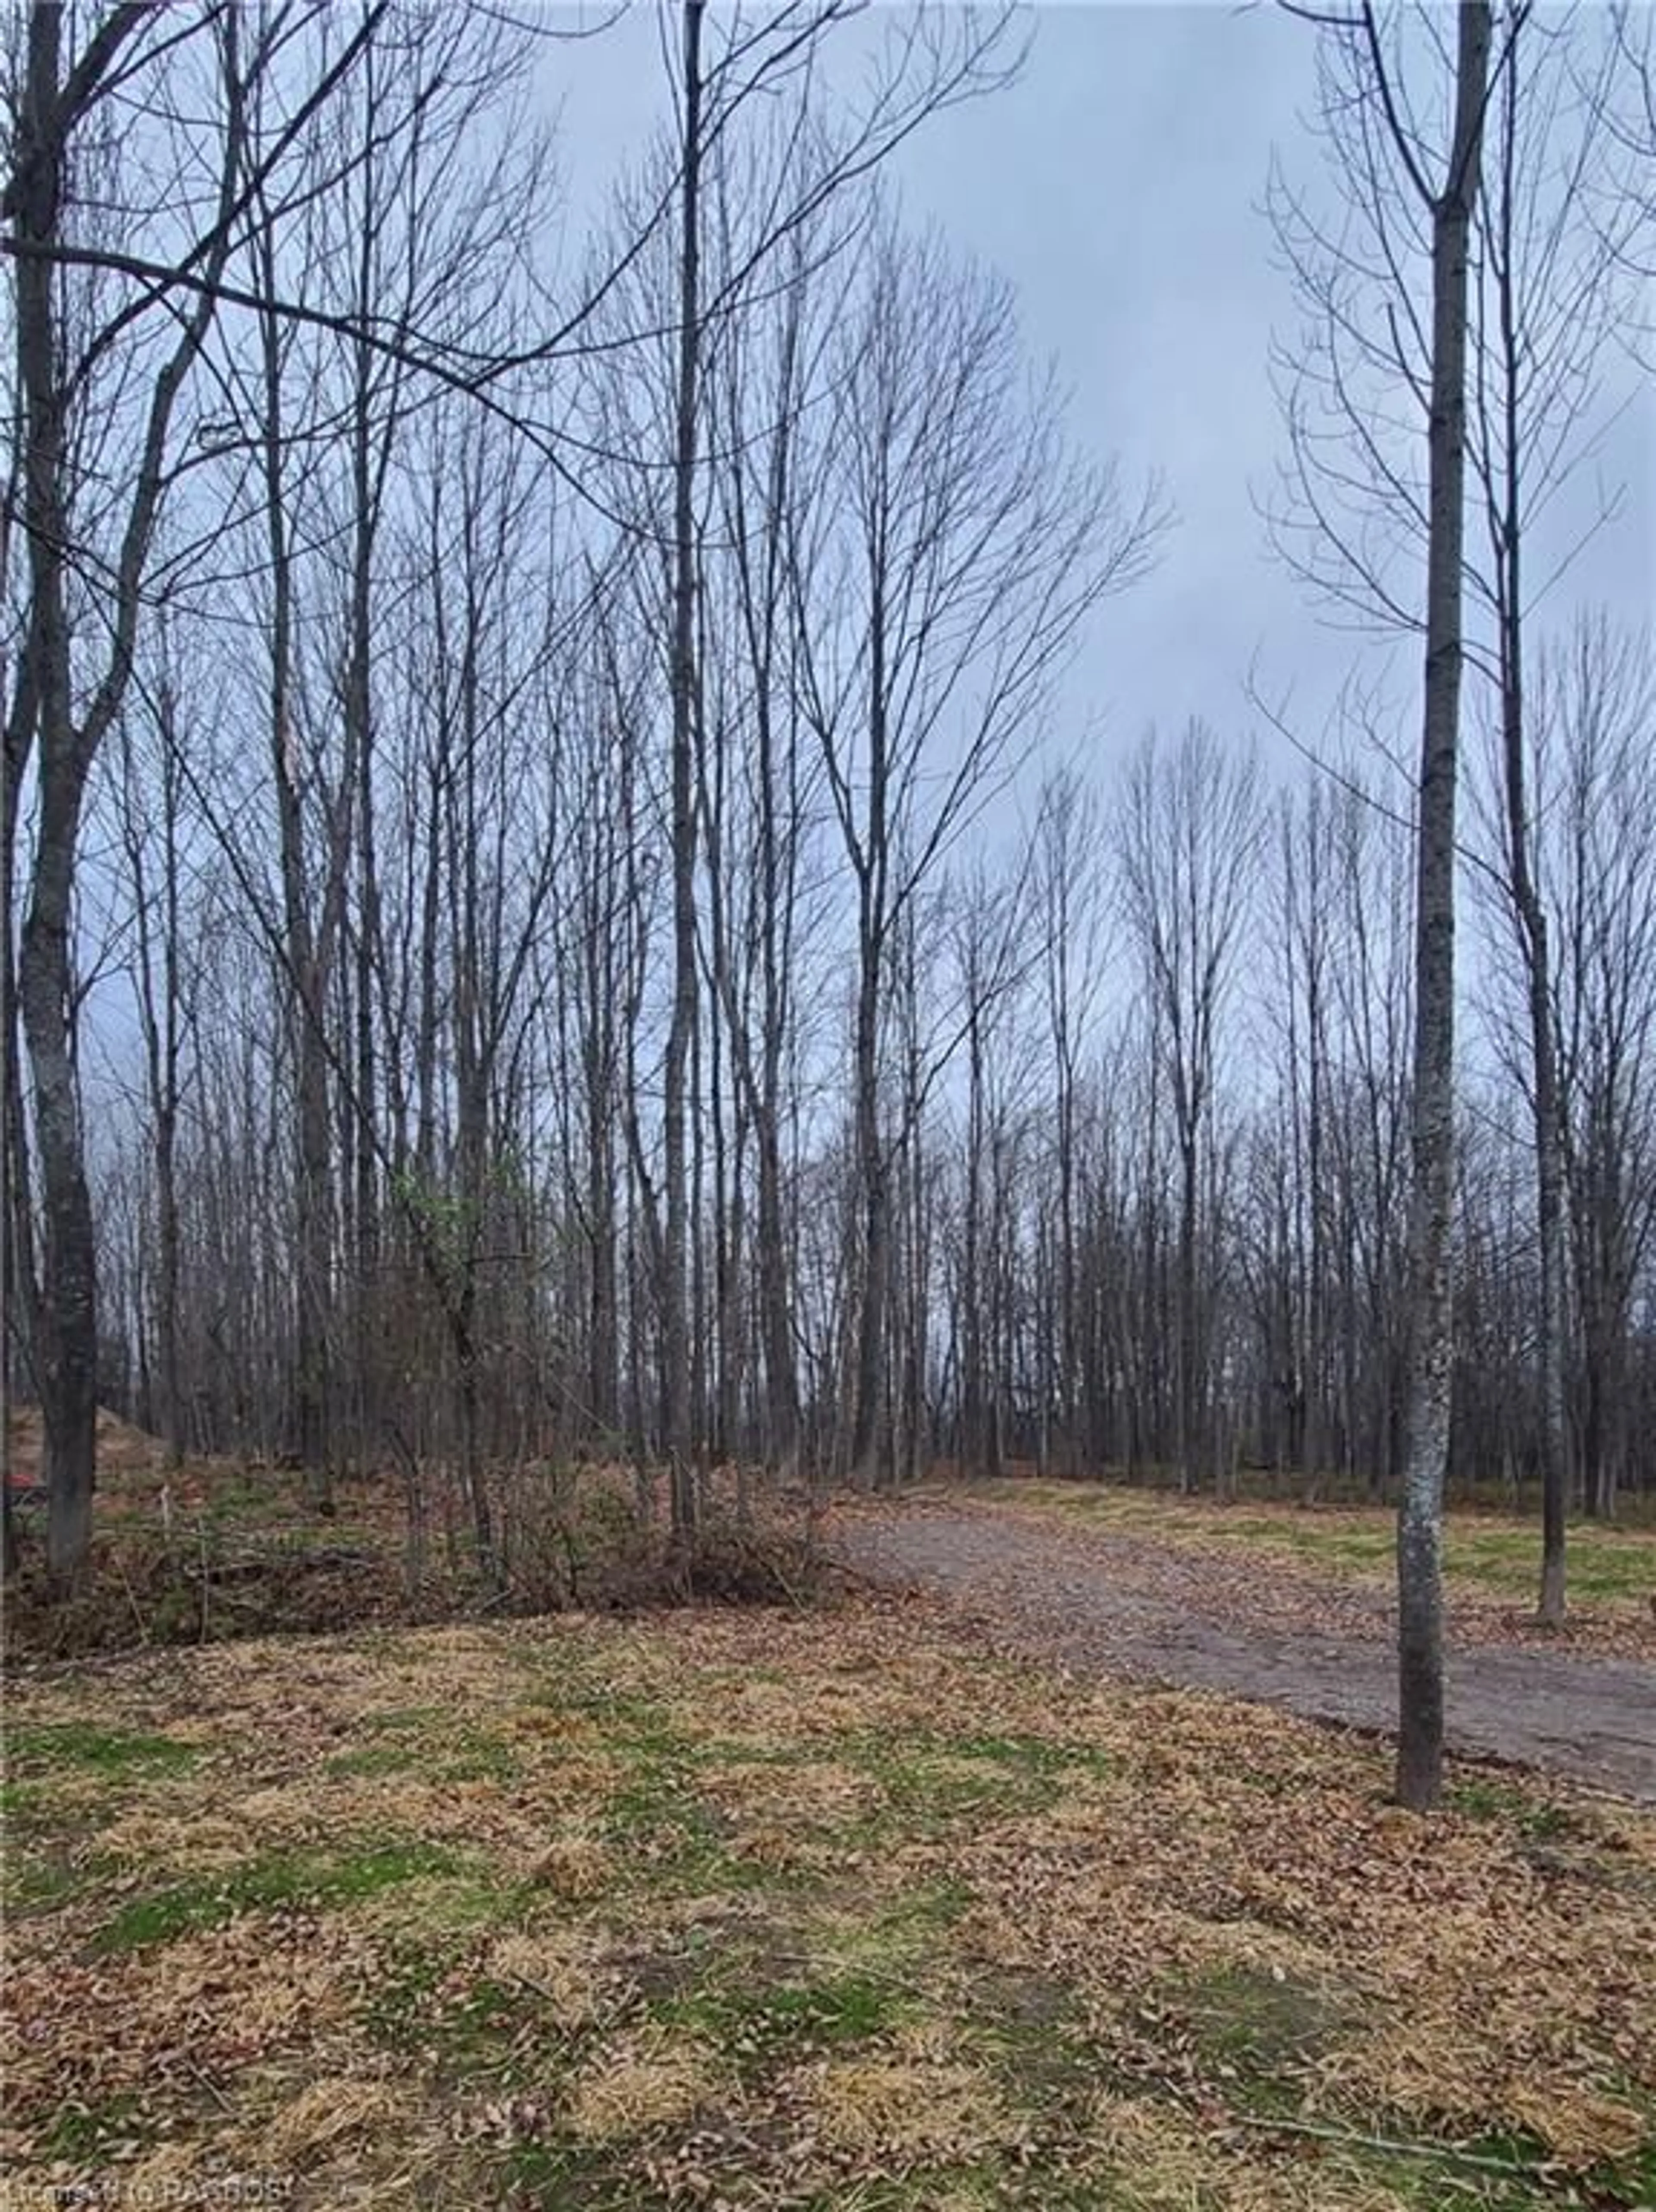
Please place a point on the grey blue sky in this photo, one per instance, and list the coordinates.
(1118, 185)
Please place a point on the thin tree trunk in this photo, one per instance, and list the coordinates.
(1506, 526)
(1431, 1354)
(305, 960)
(676, 1346)
(866, 1458)
(20, 1298)
(1188, 1119)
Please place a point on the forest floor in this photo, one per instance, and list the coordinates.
(831, 1908)
(220, 1548)
(1293, 1606)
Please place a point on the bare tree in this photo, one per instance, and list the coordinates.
(687, 408)
(1550, 247)
(165, 1004)
(63, 715)
(1420, 1607)
(1346, 521)
(1189, 836)
(1068, 879)
(942, 568)
(1597, 862)
(992, 921)
(770, 370)
(1547, 310)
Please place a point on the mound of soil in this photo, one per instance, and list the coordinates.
(122, 1448)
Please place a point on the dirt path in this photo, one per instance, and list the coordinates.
(1097, 1600)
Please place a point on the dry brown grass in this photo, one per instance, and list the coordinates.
(636, 2084)
(564, 1966)
(326, 2113)
(575, 1866)
(894, 2110)
(798, 1909)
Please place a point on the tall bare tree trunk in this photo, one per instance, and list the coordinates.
(158, 983)
(67, 1342)
(67, 745)
(368, 464)
(20, 1299)
(305, 950)
(676, 1344)
(19, 1296)
(1547, 1112)
(1431, 1353)
(1509, 505)
(867, 1398)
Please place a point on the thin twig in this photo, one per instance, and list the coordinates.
(132, 1599)
(1349, 2140)
(209, 2085)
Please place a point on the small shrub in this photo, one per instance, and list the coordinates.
(759, 1562)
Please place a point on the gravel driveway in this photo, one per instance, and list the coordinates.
(1100, 1602)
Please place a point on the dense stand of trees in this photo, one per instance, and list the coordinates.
(1053, 1254)
(547, 905)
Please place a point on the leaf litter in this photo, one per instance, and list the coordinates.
(822, 1909)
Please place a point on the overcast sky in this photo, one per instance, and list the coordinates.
(1118, 185)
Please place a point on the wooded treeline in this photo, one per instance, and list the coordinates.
(551, 906)
(1145, 1162)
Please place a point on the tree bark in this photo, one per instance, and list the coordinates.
(67, 1344)
(68, 744)
(1431, 1353)
(675, 1345)
(1507, 516)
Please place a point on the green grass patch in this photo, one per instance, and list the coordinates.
(1604, 1564)
(80, 2132)
(481, 2033)
(666, 1837)
(302, 1882)
(1033, 1754)
(1494, 2173)
(1260, 2030)
(963, 2188)
(398, 2009)
(564, 2177)
(42, 1880)
(403, 1720)
(1034, 2183)
(483, 1759)
(374, 1760)
(760, 2023)
(26, 1807)
(116, 1754)
(444, 1905)
(1487, 1799)
(1484, 1553)
(919, 1916)
(933, 1782)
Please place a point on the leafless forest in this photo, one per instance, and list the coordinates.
(552, 905)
